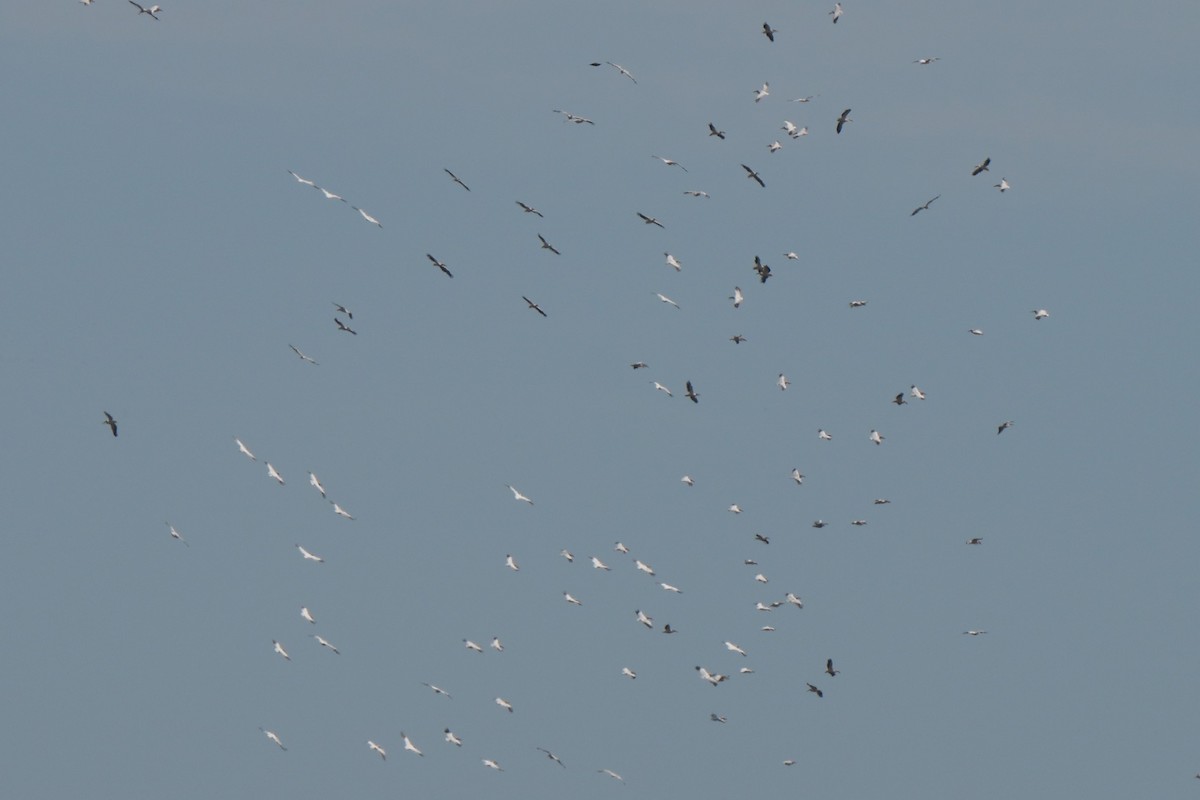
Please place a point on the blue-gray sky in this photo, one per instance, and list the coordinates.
(159, 259)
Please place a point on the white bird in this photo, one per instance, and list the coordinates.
(490, 764)
(377, 749)
(782, 382)
(409, 746)
(507, 706)
(790, 129)
(759, 94)
(611, 774)
(303, 356)
(857, 303)
(438, 690)
(307, 615)
(279, 649)
(452, 738)
(243, 449)
(567, 555)
(791, 597)
(789, 762)
(517, 495)
(341, 512)
(621, 548)
(859, 522)
(735, 509)
(553, 757)
(876, 437)
(662, 388)
(669, 588)
(718, 718)
(569, 117)
(803, 99)
(152, 10)
(820, 523)
(467, 643)
(881, 501)
(645, 620)
(316, 484)
(1002, 185)
(673, 262)
(325, 643)
(760, 578)
(821, 434)
(774, 146)
(733, 648)
(713, 678)
(927, 60)
(570, 598)
(791, 256)
(176, 534)
(628, 673)
(797, 477)
(695, 193)
(309, 556)
(511, 563)
(274, 737)
(761, 606)
(618, 68)
(837, 12)
(273, 473)
(737, 297)
(305, 181)
(670, 162)
(643, 567)
(1040, 313)
(975, 332)
(598, 564)
(666, 299)
(330, 195)
(973, 633)
(367, 216)
(496, 645)
(687, 480)
(917, 393)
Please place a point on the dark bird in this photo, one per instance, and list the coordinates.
(529, 209)
(758, 537)
(737, 338)
(712, 131)
(639, 365)
(753, 175)
(110, 422)
(975, 540)
(343, 310)
(769, 32)
(617, 67)
(829, 670)
(762, 269)
(982, 166)
(843, 119)
(691, 393)
(440, 265)
(302, 356)
(668, 629)
(899, 399)
(649, 220)
(152, 10)
(815, 690)
(1003, 427)
(456, 179)
(533, 305)
(342, 327)
(924, 207)
(547, 246)
(552, 757)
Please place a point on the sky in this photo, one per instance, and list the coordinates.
(159, 261)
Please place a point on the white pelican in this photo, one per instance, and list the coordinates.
(517, 495)
(688, 480)
(917, 393)
(1003, 427)
(837, 12)
(274, 473)
(611, 774)
(409, 746)
(547, 246)
(718, 718)
(973, 633)
(325, 643)
(507, 706)
(307, 615)
(152, 10)
(437, 690)
(791, 598)
(639, 365)
(643, 567)
(712, 131)
(456, 179)
(774, 146)
(330, 195)
(309, 556)
(975, 540)
(316, 484)
(737, 297)
(176, 535)
(645, 620)
(274, 737)
(496, 644)
(367, 216)
(467, 643)
(820, 523)
(670, 162)
(759, 94)
(821, 434)
(1002, 185)
(857, 303)
(881, 501)
(552, 757)
(975, 332)
(754, 176)
(797, 477)
(618, 68)
(621, 548)
(440, 265)
(803, 99)
(982, 166)
(782, 382)
(530, 209)
(511, 563)
(490, 764)
(451, 738)
(927, 60)
(876, 437)
(790, 129)
(567, 555)
(570, 598)
(760, 578)
(377, 749)
(533, 306)
(666, 299)
(302, 356)
(344, 328)
(243, 449)
(305, 181)
(842, 119)
(569, 117)
(279, 649)
(658, 386)
(735, 509)
(650, 220)
(758, 537)
(669, 588)
(815, 690)
(1040, 313)
(924, 206)
(110, 422)
(789, 762)
(858, 522)
(598, 564)
(712, 678)
(628, 673)
(673, 262)
(733, 648)
(341, 512)
(695, 193)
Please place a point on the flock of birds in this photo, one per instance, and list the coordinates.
(377, 744)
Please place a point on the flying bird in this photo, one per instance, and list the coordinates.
(668, 629)
(658, 386)
(1003, 427)
(673, 262)
(837, 12)
(456, 179)
(112, 423)
(533, 306)
(618, 68)
(717, 718)
(899, 399)
(152, 10)
(274, 737)
(803, 99)
(569, 117)
(598, 564)
(467, 643)
(820, 523)
(650, 220)
(774, 146)
(917, 393)
(302, 356)
(982, 166)
(530, 209)
(438, 690)
(758, 537)
(547, 246)
(737, 338)
(927, 60)
(844, 117)
(759, 94)
(315, 483)
(643, 618)
(760, 578)
(440, 265)
(367, 216)
(377, 749)
(735, 509)
(737, 297)
(309, 556)
(754, 176)
(307, 616)
(507, 706)
(570, 598)
(343, 310)
(857, 303)
(733, 648)
(274, 473)
(496, 644)
(451, 738)
(670, 162)
(341, 512)
(666, 299)
(639, 365)
(923, 207)
(687, 480)
(695, 193)
(821, 434)
(325, 643)
(511, 563)
(517, 495)
(691, 393)
(769, 32)
(712, 678)
(1040, 313)
(815, 690)
(973, 633)
(1002, 185)
(975, 332)
(305, 181)
(611, 774)
(975, 540)
(712, 131)
(409, 746)
(279, 649)
(790, 129)
(343, 327)
(876, 437)
(881, 501)
(782, 382)
(792, 599)
(667, 587)
(628, 673)
(565, 553)
(490, 764)
(330, 195)
(176, 535)
(552, 757)
(797, 477)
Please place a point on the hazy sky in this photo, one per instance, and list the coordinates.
(159, 260)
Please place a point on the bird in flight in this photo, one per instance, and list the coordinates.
(279, 649)
(695, 193)
(377, 749)
(617, 67)
(649, 220)
(762, 270)
(639, 365)
(735, 509)
(530, 209)
(547, 246)
(367, 216)
(876, 437)
(673, 262)
(717, 717)
(815, 690)
(819, 523)
(1040, 313)
(926, 60)
(456, 179)
(975, 332)
(598, 564)
(803, 99)
(176, 535)
(325, 643)
(309, 556)
(511, 562)
(790, 129)
(973, 633)
(110, 422)
(857, 303)
(437, 690)
(829, 670)
(409, 746)
(507, 706)
(569, 117)
(496, 644)
(733, 648)
(152, 10)
(899, 399)
(570, 598)
(330, 195)
(758, 537)
(759, 94)
(754, 176)
(274, 737)
(691, 393)
(302, 356)
(982, 166)
(737, 297)
(712, 678)
(797, 477)
(769, 32)
(451, 738)
(667, 300)
(440, 265)
(517, 495)
(341, 326)
(1003, 427)
(923, 207)
(274, 473)
(552, 757)
(917, 393)
(658, 386)
(774, 146)
(975, 540)
(628, 673)
(670, 162)
(782, 382)
(341, 512)
(842, 119)
(712, 131)
(470, 645)
(837, 12)
(315, 482)
(490, 764)
(737, 338)
(688, 480)
(533, 306)
(1002, 185)
(305, 181)
(611, 774)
